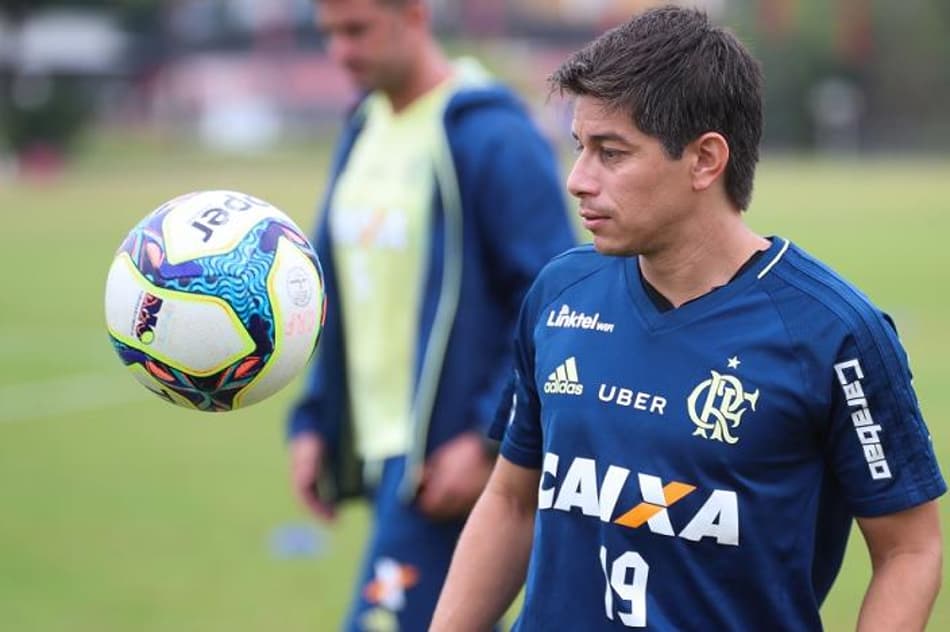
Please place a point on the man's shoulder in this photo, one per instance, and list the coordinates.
(569, 268)
(491, 136)
(581, 259)
(812, 292)
(484, 112)
(489, 95)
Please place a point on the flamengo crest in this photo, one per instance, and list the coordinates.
(716, 406)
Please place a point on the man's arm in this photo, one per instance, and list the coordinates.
(491, 558)
(906, 559)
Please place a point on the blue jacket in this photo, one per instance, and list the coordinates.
(498, 217)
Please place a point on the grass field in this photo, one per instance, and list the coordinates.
(120, 512)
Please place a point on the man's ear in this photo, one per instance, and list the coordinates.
(710, 155)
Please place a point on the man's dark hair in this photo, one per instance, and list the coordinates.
(679, 77)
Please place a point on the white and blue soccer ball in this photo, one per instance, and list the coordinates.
(215, 300)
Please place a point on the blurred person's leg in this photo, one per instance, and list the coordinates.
(406, 561)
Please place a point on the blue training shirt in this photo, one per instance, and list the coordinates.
(701, 466)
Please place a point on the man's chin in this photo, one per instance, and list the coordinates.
(611, 248)
(362, 83)
(361, 78)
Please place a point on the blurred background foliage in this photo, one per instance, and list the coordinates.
(843, 76)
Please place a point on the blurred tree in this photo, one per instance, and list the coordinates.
(908, 75)
(879, 69)
(43, 107)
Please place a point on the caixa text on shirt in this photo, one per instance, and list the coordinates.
(849, 376)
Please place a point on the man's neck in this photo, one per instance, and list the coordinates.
(705, 257)
(431, 69)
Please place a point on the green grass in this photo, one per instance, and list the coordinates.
(123, 513)
(138, 515)
(883, 225)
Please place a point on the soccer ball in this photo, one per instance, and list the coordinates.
(215, 300)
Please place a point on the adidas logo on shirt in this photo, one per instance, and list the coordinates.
(563, 380)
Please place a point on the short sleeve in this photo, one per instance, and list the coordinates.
(879, 446)
(518, 421)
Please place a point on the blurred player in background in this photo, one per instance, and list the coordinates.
(444, 202)
(693, 460)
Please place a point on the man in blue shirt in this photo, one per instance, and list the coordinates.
(443, 205)
(697, 412)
